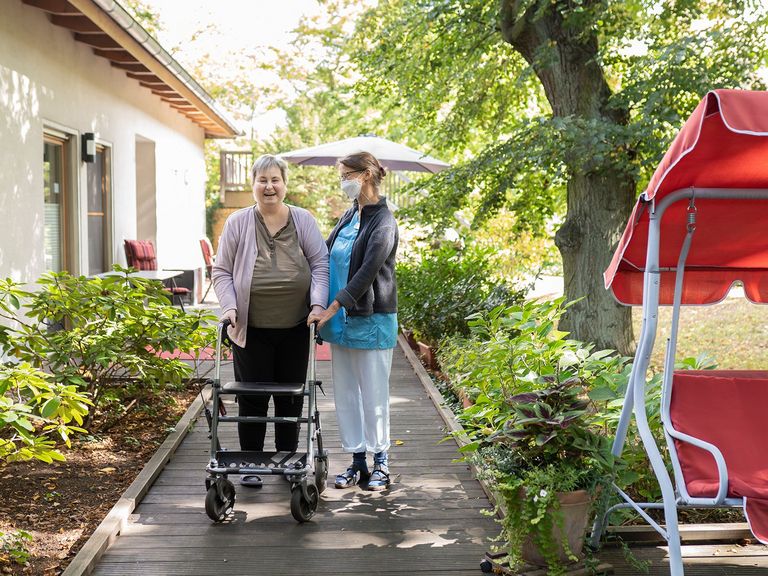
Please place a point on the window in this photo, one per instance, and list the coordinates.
(99, 200)
(55, 203)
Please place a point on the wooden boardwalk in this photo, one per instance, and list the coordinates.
(429, 523)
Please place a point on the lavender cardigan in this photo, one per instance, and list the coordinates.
(236, 256)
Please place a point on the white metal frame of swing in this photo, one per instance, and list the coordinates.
(635, 401)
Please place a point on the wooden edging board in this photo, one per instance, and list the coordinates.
(452, 425)
(689, 533)
(85, 560)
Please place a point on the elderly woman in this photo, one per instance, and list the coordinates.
(361, 320)
(271, 271)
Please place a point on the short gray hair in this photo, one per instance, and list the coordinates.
(266, 162)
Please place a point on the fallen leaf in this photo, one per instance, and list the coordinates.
(107, 470)
(399, 442)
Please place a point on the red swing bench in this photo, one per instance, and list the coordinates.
(698, 228)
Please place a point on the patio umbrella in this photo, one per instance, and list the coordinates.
(392, 155)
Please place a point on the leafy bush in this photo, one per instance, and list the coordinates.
(508, 351)
(13, 547)
(516, 350)
(438, 292)
(534, 430)
(35, 413)
(98, 334)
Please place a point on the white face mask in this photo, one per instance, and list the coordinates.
(351, 188)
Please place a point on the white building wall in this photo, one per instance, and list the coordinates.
(47, 79)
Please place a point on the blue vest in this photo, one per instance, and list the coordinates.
(374, 332)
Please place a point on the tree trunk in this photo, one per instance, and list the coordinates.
(600, 197)
(597, 213)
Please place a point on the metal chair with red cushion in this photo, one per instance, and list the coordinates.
(140, 254)
(209, 258)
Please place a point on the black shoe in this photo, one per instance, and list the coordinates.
(379, 479)
(351, 477)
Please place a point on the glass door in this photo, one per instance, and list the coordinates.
(99, 245)
(54, 191)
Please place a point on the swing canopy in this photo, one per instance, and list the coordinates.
(723, 145)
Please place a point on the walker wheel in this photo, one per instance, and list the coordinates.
(321, 473)
(486, 566)
(220, 499)
(301, 509)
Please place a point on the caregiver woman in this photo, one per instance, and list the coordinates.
(361, 319)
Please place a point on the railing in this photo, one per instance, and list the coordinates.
(392, 187)
(235, 170)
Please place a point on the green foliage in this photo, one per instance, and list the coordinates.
(212, 185)
(508, 350)
(36, 412)
(437, 292)
(534, 429)
(144, 14)
(13, 546)
(95, 334)
(483, 104)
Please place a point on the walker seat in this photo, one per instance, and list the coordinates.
(728, 409)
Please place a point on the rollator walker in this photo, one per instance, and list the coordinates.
(700, 226)
(306, 471)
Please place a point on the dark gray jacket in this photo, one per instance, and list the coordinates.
(371, 285)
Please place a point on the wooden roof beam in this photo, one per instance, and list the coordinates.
(53, 6)
(98, 41)
(144, 76)
(155, 85)
(116, 55)
(76, 23)
(135, 67)
(175, 99)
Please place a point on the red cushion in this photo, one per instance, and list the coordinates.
(140, 254)
(726, 408)
(207, 249)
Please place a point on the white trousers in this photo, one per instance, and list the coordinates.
(361, 393)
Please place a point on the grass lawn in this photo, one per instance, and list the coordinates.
(734, 333)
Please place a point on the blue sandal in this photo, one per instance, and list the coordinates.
(379, 479)
(351, 477)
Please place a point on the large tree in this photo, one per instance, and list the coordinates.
(553, 100)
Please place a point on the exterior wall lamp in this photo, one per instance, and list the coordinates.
(88, 147)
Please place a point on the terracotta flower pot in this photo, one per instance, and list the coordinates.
(575, 507)
(410, 339)
(466, 401)
(428, 356)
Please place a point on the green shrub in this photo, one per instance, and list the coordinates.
(36, 413)
(437, 292)
(534, 430)
(13, 547)
(517, 349)
(98, 334)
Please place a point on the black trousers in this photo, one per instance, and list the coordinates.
(271, 355)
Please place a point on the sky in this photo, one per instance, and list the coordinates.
(231, 26)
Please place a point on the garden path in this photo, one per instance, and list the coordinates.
(429, 522)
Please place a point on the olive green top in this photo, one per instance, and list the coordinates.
(281, 278)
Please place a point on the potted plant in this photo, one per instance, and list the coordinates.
(548, 463)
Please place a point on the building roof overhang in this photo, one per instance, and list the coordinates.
(113, 34)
